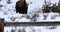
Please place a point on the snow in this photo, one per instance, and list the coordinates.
(34, 29)
(8, 12)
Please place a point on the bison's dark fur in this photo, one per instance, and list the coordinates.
(21, 7)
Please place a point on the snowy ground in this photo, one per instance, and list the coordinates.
(8, 12)
(34, 29)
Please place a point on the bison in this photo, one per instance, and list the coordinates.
(21, 7)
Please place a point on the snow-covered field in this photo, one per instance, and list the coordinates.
(34, 29)
(8, 12)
